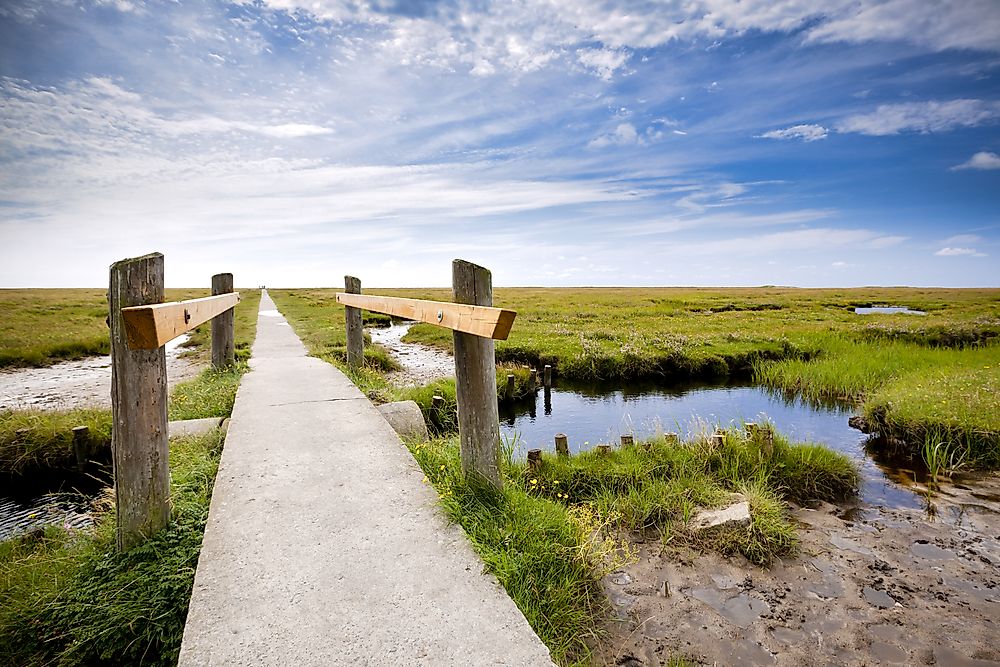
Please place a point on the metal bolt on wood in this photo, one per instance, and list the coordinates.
(562, 444)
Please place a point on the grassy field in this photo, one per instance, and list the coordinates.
(910, 374)
(43, 326)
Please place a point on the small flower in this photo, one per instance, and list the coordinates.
(424, 480)
(554, 482)
(442, 466)
(534, 481)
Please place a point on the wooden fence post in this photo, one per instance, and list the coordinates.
(476, 380)
(223, 334)
(139, 446)
(355, 328)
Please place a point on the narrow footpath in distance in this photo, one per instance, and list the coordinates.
(324, 547)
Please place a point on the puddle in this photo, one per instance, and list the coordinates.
(887, 310)
(946, 656)
(930, 551)
(740, 609)
(878, 598)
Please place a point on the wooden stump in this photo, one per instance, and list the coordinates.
(627, 440)
(534, 459)
(562, 444)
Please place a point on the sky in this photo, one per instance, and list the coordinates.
(556, 142)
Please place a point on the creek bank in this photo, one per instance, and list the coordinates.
(870, 585)
(83, 383)
(421, 364)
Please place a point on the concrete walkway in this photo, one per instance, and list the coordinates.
(323, 546)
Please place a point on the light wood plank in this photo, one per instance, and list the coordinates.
(483, 321)
(149, 327)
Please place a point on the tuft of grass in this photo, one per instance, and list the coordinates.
(68, 598)
(36, 440)
(211, 394)
(557, 529)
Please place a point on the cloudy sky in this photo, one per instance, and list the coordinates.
(592, 142)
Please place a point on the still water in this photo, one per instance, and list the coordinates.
(591, 414)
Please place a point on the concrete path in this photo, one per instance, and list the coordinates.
(323, 546)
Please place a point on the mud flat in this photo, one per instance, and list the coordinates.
(87, 382)
(872, 585)
(421, 364)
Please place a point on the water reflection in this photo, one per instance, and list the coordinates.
(592, 413)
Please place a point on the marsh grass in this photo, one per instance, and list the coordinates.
(68, 598)
(555, 531)
(907, 373)
(41, 327)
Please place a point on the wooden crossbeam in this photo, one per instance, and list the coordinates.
(149, 327)
(476, 320)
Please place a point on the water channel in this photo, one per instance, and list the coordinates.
(601, 413)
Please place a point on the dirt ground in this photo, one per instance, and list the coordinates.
(87, 382)
(871, 586)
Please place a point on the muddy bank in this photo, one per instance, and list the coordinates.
(871, 586)
(421, 364)
(87, 382)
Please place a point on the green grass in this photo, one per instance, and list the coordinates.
(909, 374)
(43, 326)
(211, 394)
(68, 598)
(555, 531)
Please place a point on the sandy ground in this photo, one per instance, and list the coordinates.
(871, 586)
(79, 383)
(421, 364)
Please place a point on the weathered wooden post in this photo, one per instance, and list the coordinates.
(355, 328)
(627, 440)
(508, 393)
(139, 446)
(223, 334)
(534, 459)
(534, 378)
(562, 444)
(604, 449)
(476, 380)
(548, 376)
(81, 445)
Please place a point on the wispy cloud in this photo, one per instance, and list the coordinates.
(804, 132)
(958, 252)
(983, 160)
(923, 117)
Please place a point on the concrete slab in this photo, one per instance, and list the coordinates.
(186, 427)
(323, 545)
(406, 419)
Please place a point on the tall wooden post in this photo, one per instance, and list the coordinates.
(223, 334)
(139, 447)
(476, 380)
(355, 328)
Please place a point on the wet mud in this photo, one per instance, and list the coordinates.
(421, 364)
(871, 585)
(83, 383)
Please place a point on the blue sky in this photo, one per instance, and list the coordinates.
(788, 142)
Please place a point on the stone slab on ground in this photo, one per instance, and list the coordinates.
(324, 547)
(406, 419)
(186, 427)
(735, 514)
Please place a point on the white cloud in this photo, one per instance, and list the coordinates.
(803, 240)
(602, 61)
(981, 160)
(963, 239)
(923, 117)
(957, 252)
(623, 135)
(804, 132)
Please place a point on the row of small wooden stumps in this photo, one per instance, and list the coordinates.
(717, 439)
